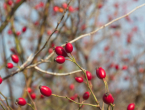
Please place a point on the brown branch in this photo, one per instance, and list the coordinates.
(10, 15)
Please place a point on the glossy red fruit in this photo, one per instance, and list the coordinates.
(86, 95)
(89, 75)
(72, 86)
(64, 5)
(21, 101)
(24, 29)
(29, 89)
(55, 8)
(1, 80)
(15, 58)
(68, 47)
(46, 91)
(60, 59)
(108, 98)
(10, 65)
(79, 79)
(131, 106)
(100, 72)
(60, 51)
(33, 96)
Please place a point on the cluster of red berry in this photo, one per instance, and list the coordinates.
(15, 59)
(62, 53)
(45, 91)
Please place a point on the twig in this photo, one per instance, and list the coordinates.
(74, 101)
(57, 74)
(80, 37)
(6, 101)
(10, 15)
(2, 106)
(52, 32)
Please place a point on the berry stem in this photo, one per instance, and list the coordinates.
(30, 106)
(72, 56)
(108, 108)
(112, 107)
(2, 106)
(6, 101)
(75, 101)
(69, 60)
(87, 82)
(106, 85)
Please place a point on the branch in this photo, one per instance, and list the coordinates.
(74, 101)
(10, 15)
(57, 74)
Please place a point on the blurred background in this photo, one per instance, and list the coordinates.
(119, 48)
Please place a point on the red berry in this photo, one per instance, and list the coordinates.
(21, 101)
(83, 27)
(108, 98)
(18, 33)
(60, 51)
(71, 9)
(9, 31)
(100, 5)
(37, 6)
(55, 8)
(41, 4)
(68, 47)
(79, 79)
(101, 73)
(124, 67)
(10, 2)
(89, 75)
(60, 59)
(117, 67)
(52, 44)
(1, 80)
(46, 91)
(5, 6)
(86, 95)
(116, 5)
(33, 96)
(72, 86)
(64, 5)
(41, 96)
(49, 32)
(24, 29)
(10, 65)
(72, 98)
(131, 106)
(29, 89)
(13, 50)
(50, 50)
(15, 58)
